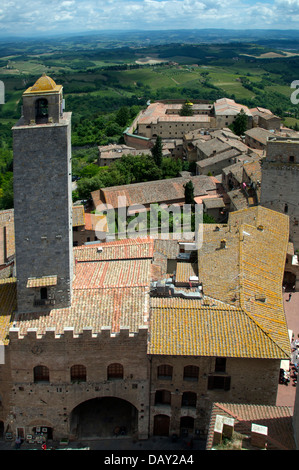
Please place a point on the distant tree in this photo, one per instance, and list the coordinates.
(86, 185)
(113, 129)
(186, 109)
(122, 116)
(171, 167)
(6, 191)
(240, 123)
(157, 151)
(189, 193)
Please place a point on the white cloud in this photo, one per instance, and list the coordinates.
(79, 15)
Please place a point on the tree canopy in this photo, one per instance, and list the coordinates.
(240, 123)
(186, 109)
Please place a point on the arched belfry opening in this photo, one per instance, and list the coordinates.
(41, 110)
(105, 417)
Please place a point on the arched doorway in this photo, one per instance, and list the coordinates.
(186, 426)
(161, 425)
(104, 418)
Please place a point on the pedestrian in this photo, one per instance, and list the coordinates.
(18, 442)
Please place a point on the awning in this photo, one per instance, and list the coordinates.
(44, 281)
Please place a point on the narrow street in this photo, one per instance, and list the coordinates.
(286, 393)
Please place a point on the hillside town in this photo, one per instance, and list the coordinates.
(140, 337)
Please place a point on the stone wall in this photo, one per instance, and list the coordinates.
(280, 182)
(51, 403)
(252, 381)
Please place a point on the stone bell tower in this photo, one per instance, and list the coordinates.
(43, 199)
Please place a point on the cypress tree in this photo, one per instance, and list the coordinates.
(157, 151)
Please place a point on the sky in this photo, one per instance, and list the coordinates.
(38, 17)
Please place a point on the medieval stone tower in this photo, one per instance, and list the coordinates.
(280, 186)
(43, 199)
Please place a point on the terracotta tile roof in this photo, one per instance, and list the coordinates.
(246, 275)
(238, 199)
(94, 308)
(278, 420)
(78, 216)
(95, 222)
(118, 249)
(228, 106)
(253, 262)
(193, 329)
(105, 274)
(151, 192)
(259, 134)
(253, 170)
(184, 271)
(167, 248)
(108, 292)
(157, 112)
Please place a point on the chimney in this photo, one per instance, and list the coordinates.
(259, 436)
(223, 243)
(218, 428)
(228, 427)
(223, 428)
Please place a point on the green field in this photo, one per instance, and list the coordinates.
(98, 80)
(107, 83)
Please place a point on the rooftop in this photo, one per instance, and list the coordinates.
(151, 192)
(251, 251)
(112, 283)
(259, 134)
(226, 106)
(112, 292)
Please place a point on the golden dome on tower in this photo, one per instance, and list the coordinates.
(44, 84)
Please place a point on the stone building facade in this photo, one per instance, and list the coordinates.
(54, 375)
(279, 190)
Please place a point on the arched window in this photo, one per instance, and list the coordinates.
(41, 108)
(41, 374)
(162, 397)
(164, 371)
(189, 399)
(78, 373)
(191, 373)
(286, 208)
(115, 371)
